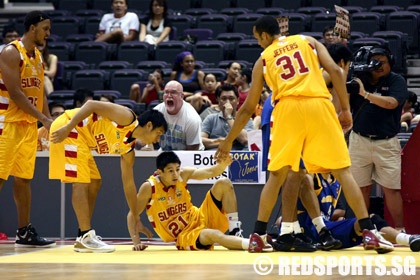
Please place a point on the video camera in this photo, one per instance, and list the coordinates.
(361, 67)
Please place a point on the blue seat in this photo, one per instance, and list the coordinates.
(182, 22)
(167, 51)
(77, 38)
(122, 80)
(219, 23)
(362, 3)
(289, 5)
(134, 51)
(150, 65)
(235, 11)
(199, 33)
(210, 51)
(215, 4)
(409, 23)
(63, 50)
(219, 73)
(91, 25)
(319, 21)
(274, 11)
(93, 79)
(367, 22)
(298, 23)
(385, 9)
(199, 11)
(114, 93)
(92, 52)
(249, 4)
(112, 65)
(244, 23)
(66, 25)
(69, 68)
(248, 50)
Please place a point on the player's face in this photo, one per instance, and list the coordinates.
(260, 38)
(153, 136)
(42, 31)
(170, 174)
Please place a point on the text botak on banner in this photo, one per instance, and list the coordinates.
(245, 168)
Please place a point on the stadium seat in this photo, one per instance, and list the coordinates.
(210, 51)
(133, 51)
(92, 52)
(93, 79)
(122, 80)
(167, 51)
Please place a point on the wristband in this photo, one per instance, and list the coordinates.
(367, 94)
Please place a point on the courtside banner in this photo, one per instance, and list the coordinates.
(245, 168)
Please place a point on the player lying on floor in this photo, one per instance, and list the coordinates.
(167, 201)
(328, 190)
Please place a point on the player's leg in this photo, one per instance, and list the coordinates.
(212, 236)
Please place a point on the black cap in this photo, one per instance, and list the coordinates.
(33, 18)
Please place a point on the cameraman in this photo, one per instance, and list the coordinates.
(374, 148)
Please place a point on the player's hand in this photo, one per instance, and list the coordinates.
(142, 229)
(47, 123)
(223, 151)
(346, 120)
(139, 247)
(60, 134)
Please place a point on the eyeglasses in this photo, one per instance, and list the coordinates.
(172, 92)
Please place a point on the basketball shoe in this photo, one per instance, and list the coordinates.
(373, 240)
(291, 243)
(328, 242)
(28, 237)
(258, 244)
(415, 242)
(92, 243)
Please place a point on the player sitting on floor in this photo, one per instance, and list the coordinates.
(167, 201)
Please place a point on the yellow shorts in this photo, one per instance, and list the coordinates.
(71, 161)
(307, 128)
(207, 216)
(18, 143)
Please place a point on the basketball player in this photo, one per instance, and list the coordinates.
(22, 105)
(167, 201)
(108, 128)
(305, 125)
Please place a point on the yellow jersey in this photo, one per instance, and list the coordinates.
(170, 210)
(102, 134)
(291, 68)
(31, 83)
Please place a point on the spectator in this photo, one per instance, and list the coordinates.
(9, 34)
(56, 109)
(329, 36)
(119, 26)
(216, 127)
(210, 86)
(22, 105)
(185, 73)
(184, 124)
(50, 68)
(207, 97)
(373, 144)
(407, 114)
(168, 187)
(152, 91)
(107, 128)
(81, 96)
(156, 26)
(243, 81)
(107, 98)
(232, 72)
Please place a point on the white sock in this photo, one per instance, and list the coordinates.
(286, 228)
(318, 223)
(245, 243)
(403, 239)
(296, 227)
(233, 220)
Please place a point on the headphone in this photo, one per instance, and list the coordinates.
(382, 50)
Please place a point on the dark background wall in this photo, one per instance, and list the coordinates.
(109, 218)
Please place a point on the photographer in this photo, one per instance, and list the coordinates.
(373, 145)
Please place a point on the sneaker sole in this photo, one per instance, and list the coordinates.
(378, 249)
(79, 250)
(34, 246)
(415, 246)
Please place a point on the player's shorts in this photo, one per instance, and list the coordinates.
(71, 161)
(18, 144)
(342, 230)
(308, 128)
(207, 216)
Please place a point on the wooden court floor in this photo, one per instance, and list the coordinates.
(161, 261)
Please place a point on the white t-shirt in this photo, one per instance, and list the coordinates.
(128, 22)
(184, 128)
